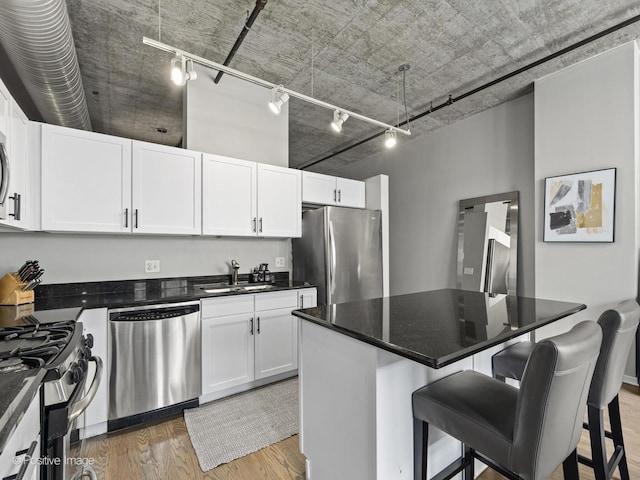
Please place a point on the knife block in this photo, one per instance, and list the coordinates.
(11, 291)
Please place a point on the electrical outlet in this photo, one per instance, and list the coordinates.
(279, 261)
(468, 271)
(152, 266)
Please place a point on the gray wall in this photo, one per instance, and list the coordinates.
(84, 258)
(233, 119)
(491, 152)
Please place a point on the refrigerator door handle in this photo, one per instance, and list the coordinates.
(332, 264)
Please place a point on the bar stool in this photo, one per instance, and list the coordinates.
(524, 434)
(618, 328)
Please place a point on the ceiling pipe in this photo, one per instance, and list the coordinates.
(451, 99)
(36, 36)
(260, 4)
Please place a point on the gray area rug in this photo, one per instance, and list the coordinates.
(233, 427)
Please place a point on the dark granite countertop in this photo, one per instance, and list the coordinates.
(132, 293)
(439, 327)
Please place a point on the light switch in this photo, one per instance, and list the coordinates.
(468, 270)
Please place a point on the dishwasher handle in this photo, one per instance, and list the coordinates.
(153, 312)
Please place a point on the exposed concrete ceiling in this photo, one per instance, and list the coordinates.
(356, 46)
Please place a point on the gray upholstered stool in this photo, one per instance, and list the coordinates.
(618, 328)
(523, 434)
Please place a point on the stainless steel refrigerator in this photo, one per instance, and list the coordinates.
(340, 252)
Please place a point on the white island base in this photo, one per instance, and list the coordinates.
(356, 421)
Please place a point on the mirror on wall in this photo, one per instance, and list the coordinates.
(488, 244)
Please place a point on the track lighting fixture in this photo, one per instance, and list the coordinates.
(179, 72)
(182, 70)
(389, 139)
(278, 99)
(338, 119)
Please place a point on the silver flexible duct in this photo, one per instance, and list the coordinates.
(36, 34)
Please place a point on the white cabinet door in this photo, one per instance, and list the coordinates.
(166, 189)
(279, 201)
(227, 351)
(228, 196)
(86, 181)
(327, 190)
(319, 188)
(307, 298)
(94, 322)
(5, 100)
(276, 342)
(351, 193)
(17, 150)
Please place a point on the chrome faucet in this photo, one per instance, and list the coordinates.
(234, 272)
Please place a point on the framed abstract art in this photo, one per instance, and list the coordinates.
(580, 207)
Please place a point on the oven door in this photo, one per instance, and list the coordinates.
(4, 180)
(63, 440)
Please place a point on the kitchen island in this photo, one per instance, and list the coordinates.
(361, 361)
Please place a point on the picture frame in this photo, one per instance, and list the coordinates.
(580, 207)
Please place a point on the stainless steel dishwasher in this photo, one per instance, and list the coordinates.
(154, 362)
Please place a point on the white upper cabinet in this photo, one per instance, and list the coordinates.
(5, 100)
(86, 181)
(351, 193)
(279, 201)
(166, 190)
(229, 204)
(244, 198)
(327, 190)
(18, 145)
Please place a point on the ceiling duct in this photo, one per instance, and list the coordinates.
(36, 35)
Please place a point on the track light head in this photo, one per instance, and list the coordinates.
(278, 99)
(338, 119)
(390, 139)
(179, 72)
(191, 72)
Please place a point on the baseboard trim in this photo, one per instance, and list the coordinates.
(630, 380)
(209, 397)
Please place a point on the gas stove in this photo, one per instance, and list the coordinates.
(34, 345)
(49, 341)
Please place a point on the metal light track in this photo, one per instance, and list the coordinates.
(258, 81)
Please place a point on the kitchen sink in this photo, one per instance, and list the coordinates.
(218, 288)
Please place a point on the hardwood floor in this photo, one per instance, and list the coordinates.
(164, 451)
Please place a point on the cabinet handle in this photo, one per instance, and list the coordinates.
(339, 196)
(17, 200)
(335, 198)
(251, 327)
(136, 218)
(260, 231)
(301, 301)
(258, 322)
(25, 463)
(126, 218)
(254, 223)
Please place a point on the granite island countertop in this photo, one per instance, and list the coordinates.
(439, 327)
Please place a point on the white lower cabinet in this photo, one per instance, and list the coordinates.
(227, 342)
(247, 338)
(23, 445)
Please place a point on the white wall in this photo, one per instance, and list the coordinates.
(233, 119)
(491, 152)
(86, 258)
(587, 118)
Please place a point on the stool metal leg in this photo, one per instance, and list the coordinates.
(616, 433)
(469, 470)
(420, 449)
(570, 467)
(598, 447)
